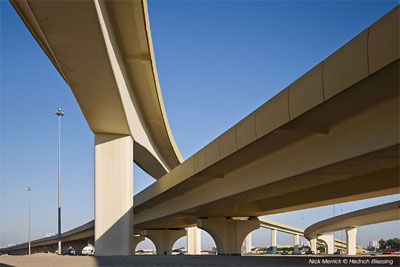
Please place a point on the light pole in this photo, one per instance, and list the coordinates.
(29, 220)
(373, 243)
(341, 234)
(304, 227)
(59, 113)
(334, 233)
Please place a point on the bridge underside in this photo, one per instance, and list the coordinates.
(295, 167)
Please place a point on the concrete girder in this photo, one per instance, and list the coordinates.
(104, 52)
(345, 121)
(349, 221)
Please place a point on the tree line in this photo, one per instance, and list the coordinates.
(390, 244)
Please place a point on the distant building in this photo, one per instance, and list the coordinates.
(305, 243)
(373, 244)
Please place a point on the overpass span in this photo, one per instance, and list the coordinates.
(324, 139)
(82, 235)
(350, 221)
(331, 136)
(104, 52)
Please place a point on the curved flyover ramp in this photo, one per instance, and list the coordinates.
(349, 221)
(104, 51)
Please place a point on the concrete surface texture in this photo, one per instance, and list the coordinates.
(228, 234)
(341, 114)
(113, 156)
(44, 260)
(105, 54)
(163, 240)
(193, 242)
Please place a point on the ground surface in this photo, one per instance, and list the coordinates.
(76, 261)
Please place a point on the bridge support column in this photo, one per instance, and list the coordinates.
(313, 244)
(164, 239)
(78, 246)
(113, 161)
(330, 243)
(351, 240)
(296, 243)
(193, 241)
(273, 240)
(136, 240)
(227, 233)
(248, 244)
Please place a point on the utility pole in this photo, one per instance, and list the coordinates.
(341, 233)
(375, 238)
(59, 113)
(29, 220)
(334, 233)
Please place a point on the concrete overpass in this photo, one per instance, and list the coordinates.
(78, 238)
(324, 139)
(274, 226)
(296, 232)
(163, 239)
(350, 222)
(332, 136)
(104, 52)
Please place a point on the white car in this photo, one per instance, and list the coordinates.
(88, 250)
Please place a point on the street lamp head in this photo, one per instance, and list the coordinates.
(59, 112)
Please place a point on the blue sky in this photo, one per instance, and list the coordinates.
(217, 62)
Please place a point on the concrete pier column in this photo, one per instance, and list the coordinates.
(313, 244)
(330, 243)
(351, 235)
(164, 239)
(193, 241)
(136, 240)
(113, 194)
(296, 243)
(227, 233)
(79, 246)
(273, 240)
(248, 243)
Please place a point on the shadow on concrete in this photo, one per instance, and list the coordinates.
(115, 235)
